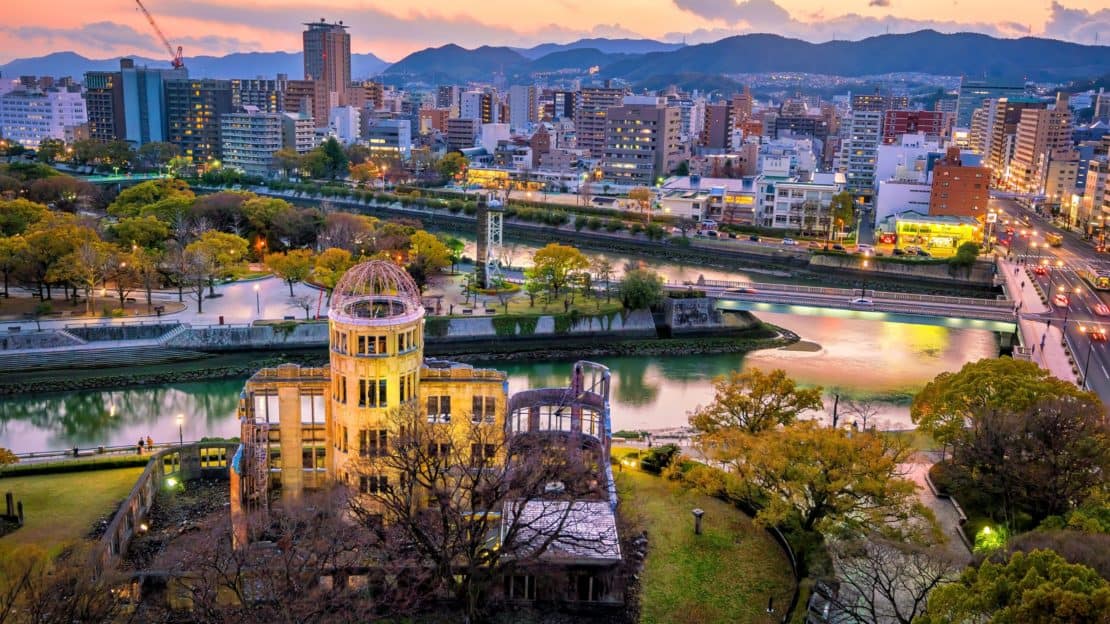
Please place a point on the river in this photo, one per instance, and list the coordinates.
(884, 362)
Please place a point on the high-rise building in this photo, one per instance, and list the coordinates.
(716, 131)
(959, 190)
(434, 119)
(641, 141)
(193, 111)
(480, 106)
(877, 102)
(898, 122)
(742, 107)
(1044, 159)
(591, 109)
(523, 109)
(1102, 106)
(248, 139)
(979, 136)
(563, 102)
(462, 133)
(104, 103)
(265, 94)
(973, 92)
(327, 56)
(1004, 115)
(390, 138)
(345, 124)
(859, 152)
(298, 132)
(29, 116)
(144, 101)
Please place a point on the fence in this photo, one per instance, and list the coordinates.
(174, 465)
(849, 292)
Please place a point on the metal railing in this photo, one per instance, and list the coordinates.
(764, 287)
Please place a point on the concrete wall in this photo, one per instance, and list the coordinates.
(982, 274)
(638, 323)
(238, 337)
(46, 339)
(129, 331)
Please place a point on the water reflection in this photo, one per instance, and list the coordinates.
(859, 359)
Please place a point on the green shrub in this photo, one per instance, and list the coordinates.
(658, 458)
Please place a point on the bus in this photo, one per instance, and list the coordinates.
(1054, 240)
(1099, 278)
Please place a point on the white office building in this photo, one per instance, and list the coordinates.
(523, 107)
(249, 139)
(390, 137)
(793, 203)
(29, 116)
(862, 135)
(345, 124)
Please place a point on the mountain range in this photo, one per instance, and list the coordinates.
(925, 51)
(237, 65)
(645, 62)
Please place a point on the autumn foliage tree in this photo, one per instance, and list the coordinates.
(555, 264)
(292, 266)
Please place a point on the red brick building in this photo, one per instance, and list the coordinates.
(899, 122)
(958, 190)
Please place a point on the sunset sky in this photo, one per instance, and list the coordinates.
(391, 29)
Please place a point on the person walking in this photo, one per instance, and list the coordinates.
(139, 447)
(149, 444)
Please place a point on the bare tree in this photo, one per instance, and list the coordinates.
(471, 506)
(887, 581)
(863, 412)
(304, 302)
(36, 590)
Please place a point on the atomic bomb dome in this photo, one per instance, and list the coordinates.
(377, 292)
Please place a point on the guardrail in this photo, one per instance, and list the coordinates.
(91, 451)
(970, 312)
(847, 292)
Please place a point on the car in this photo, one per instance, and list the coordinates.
(1101, 309)
(1060, 300)
(1097, 334)
(862, 301)
(898, 252)
(732, 235)
(815, 245)
(1040, 270)
(839, 247)
(754, 238)
(922, 253)
(789, 241)
(711, 233)
(741, 290)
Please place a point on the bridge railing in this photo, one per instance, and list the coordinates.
(768, 288)
(879, 305)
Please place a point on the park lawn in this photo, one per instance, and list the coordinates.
(518, 305)
(724, 575)
(60, 509)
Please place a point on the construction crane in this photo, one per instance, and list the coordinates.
(176, 59)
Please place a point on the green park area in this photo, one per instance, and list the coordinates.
(60, 509)
(726, 574)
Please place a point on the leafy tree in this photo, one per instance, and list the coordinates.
(50, 150)
(427, 255)
(216, 254)
(364, 172)
(286, 160)
(7, 457)
(642, 196)
(966, 255)
(455, 249)
(62, 192)
(148, 232)
(1036, 587)
(346, 231)
(293, 266)
(1044, 460)
(12, 250)
(832, 481)
(41, 260)
(157, 154)
(17, 215)
(842, 209)
(683, 169)
(169, 210)
(752, 401)
(85, 267)
(357, 153)
(451, 165)
(603, 272)
(945, 406)
(555, 264)
(131, 200)
(331, 264)
(123, 273)
(641, 288)
(148, 270)
(335, 159)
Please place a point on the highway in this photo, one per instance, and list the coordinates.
(1062, 266)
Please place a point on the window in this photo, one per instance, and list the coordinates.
(373, 442)
(343, 438)
(520, 587)
(266, 406)
(340, 393)
(482, 452)
(483, 409)
(588, 588)
(407, 387)
(439, 449)
(372, 393)
(439, 409)
(373, 484)
(371, 345)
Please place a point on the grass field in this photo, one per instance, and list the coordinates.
(724, 575)
(60, 509)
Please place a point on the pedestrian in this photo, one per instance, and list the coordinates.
(1043, 337)
(1047, 323)
(75, 451)
(1033, 350)
(141, 443)
(1023, 284)
(149, 443)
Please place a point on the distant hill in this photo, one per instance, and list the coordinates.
(452, 63)
(606, 46)
(925, 51)
(582, 59)
(237, 65)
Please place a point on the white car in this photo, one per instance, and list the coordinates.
(789, 241)
(862, 301)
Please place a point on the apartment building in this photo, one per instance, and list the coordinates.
(641, 141)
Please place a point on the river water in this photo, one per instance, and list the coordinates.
(885, 362)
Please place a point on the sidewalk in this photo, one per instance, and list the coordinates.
(1046, 342)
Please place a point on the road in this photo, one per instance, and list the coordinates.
(1062, 266)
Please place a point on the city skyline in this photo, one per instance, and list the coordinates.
(391, 34)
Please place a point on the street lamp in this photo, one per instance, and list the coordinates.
(257, 300)
(180, 430)
(1090, 348)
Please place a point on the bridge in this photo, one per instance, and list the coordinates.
(956, 312)
(123, 178)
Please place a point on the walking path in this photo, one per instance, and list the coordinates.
(1044, 340)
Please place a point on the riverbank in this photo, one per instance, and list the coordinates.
(244, 364)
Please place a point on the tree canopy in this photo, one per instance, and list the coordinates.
(640, 288)
(753, 402)
(292, 266)
(131, 200)
(554, 264)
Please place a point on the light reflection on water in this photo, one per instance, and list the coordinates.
(857, 358)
